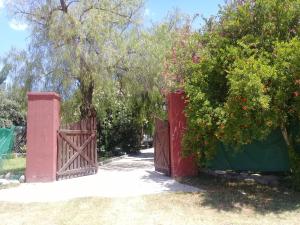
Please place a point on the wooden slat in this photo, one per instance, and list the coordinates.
(91, 150)
(64, 151)
(161, 147)
(77, 154)
(76, 160)
(76, 171)
(59, 156)
(81, 143)
(72, 153)
(77, 132)
(79, 150)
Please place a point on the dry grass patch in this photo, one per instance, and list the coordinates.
(235, 196)
(164, 209)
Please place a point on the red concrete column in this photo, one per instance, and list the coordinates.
(180, 167)
(43, 121)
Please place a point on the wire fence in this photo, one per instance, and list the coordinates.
(12, 141)
(12, 152)
(19, 146)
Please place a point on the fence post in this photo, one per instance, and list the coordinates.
(180, 167)
(43, 121)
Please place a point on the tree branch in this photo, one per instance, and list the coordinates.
(71, 2)
(106, 10)
(64, 7)
(285, 136)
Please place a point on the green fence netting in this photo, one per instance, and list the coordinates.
(264, 156)
(7, 136)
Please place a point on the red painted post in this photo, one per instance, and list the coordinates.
(180, 167)
(43, 121)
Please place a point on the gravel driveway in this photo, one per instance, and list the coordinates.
(129, 176)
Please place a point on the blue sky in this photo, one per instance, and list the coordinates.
(158, 9)
(14, 34)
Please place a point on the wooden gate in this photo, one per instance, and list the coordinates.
(77, 154)
(161, 147)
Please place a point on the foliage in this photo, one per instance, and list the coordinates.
(10, 113)
(245, 81)
(128, 100)
(22, 75)
(183, 47)
(123, 117)
(121, 129)
(98, 56)
(74, 43)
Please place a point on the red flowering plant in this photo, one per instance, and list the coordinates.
(241, 75)
(183, 52)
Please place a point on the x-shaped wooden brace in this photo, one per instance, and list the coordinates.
(79, 150)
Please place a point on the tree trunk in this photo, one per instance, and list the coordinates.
(285, 136)
(87, 85)
(294, 158)
(64, 7)
(87, 90)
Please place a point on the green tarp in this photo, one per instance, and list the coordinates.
(6, 141)
(264, 156)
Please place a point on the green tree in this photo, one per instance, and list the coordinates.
(73, 43)
(100, 58)
(10, 113)
(127, 105)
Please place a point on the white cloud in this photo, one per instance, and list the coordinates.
(1, 4)
(14, 24)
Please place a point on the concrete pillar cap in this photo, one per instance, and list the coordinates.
(42, 95)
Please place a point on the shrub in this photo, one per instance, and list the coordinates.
(245, 82)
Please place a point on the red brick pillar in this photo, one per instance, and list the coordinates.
(180, 167)
(43, 121)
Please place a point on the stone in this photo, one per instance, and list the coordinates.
(256, 175)
(244, 175)
(22, 179)
(268, 180)
(7, 182)
(4, 182)
(14, 182)
(7, 176)
(242, 192)
(231, 173)
(220, 172)
(249, 180)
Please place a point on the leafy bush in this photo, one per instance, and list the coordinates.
(245, 82)
(10, 113)
(120, 129)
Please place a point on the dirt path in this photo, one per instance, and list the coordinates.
(129, 176)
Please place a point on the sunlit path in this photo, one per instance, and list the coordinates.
(129, 176)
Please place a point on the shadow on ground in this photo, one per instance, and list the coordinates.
(225, 195)
(143, 155)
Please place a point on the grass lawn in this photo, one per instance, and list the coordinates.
(237, 196)
(14, 165)
(175, 209)
(221, 203)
